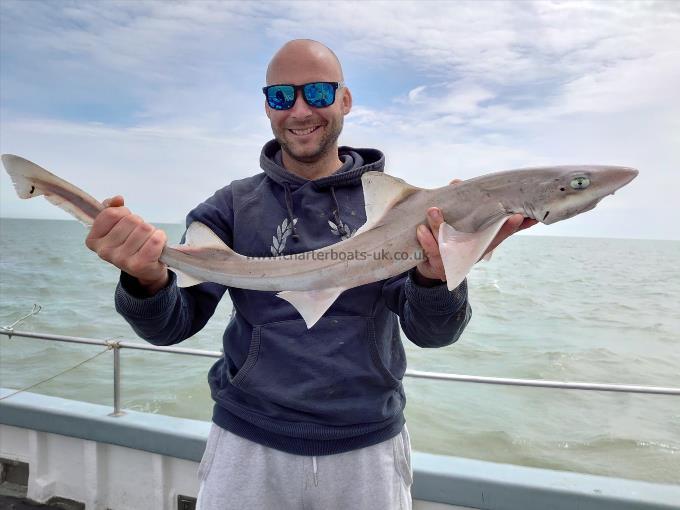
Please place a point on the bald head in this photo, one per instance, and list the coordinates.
(303, 61)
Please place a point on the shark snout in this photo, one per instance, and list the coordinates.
(620, 176)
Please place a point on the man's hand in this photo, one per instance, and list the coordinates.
(430, 272)
(129, 243)
(515, 223)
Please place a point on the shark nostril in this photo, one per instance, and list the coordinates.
(546, 215)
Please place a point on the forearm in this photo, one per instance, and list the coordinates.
(429, 316)
(171, 314)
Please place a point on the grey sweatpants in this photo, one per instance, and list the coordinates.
(238, 474)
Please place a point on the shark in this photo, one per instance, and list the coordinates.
(474, 211)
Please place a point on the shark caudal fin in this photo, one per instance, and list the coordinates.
(31, 180)
(198, 235)
(312, 304)
(461, 250)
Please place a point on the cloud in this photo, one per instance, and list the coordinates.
(162, 172)
(415, 94)
(154, 91)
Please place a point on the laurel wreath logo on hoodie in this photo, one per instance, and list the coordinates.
(341, 229)
(283, 231)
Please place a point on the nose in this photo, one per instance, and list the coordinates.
(300, 109)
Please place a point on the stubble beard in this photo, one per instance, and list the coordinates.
(328, 143)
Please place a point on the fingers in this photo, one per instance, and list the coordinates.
(120, 232)
(127, 241)
(433, 267)
(104, 222)
(106, 219)
(427, 241)
(143, 263)
(435, 219)
(508, 228)
(514, 224)
(511, 225)
(117, 201)
(152, 248)
(136, 239)
(528, 222)
(517, 222)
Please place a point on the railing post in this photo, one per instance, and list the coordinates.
(116, 380)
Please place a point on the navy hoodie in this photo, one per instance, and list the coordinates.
(329, 389)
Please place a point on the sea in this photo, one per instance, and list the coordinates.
(556, 308)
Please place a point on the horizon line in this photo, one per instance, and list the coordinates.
(528, 234)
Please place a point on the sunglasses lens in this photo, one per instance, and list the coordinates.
(280, 97)
(319, 95)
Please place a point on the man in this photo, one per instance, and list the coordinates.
(302, 418)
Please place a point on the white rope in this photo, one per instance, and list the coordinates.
(57, 375)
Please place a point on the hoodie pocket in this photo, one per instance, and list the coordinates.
(331, 373)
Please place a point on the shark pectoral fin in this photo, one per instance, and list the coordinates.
(461, 250)
(184, 280)
(381, 192)
(312, 304)
(487, 257)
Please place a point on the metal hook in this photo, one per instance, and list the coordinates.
(36, 309)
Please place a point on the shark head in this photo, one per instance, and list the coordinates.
(571, 190)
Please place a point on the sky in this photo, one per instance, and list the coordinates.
(161, 101)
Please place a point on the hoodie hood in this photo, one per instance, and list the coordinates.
(355, 162)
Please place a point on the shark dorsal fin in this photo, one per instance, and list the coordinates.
(382, 192)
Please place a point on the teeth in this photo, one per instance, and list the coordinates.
(303, 131)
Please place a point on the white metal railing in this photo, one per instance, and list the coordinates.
(116, 346)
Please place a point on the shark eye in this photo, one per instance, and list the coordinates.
(580, 182)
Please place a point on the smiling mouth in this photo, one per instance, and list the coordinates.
(303, 132)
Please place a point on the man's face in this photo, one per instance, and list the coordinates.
(305, 133)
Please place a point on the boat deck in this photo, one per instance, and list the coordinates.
(18, 503)
(12, 503)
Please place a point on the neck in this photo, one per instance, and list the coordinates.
(323, 167)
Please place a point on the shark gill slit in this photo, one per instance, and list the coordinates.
(546, 215)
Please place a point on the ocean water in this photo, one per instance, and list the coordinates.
(572, 309)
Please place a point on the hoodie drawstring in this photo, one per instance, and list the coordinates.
(336, 213)
(289, 206)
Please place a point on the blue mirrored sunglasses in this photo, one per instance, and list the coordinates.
(318, 94)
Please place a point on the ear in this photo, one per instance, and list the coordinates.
(267, 110)
(346, 101)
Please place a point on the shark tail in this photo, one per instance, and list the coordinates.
(31, 180)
